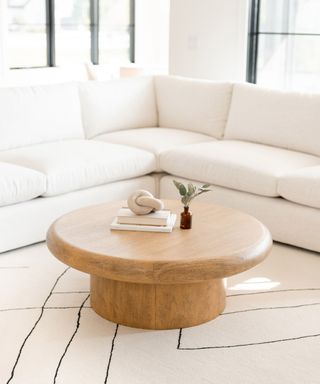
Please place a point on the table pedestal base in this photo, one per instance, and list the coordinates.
(157, 306)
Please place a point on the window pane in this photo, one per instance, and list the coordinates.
(27, 45)
(289, 58)
(114, 34)
(294, 16)
(72, 29)
(289, 61)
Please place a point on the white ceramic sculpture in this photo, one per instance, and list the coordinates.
(142, 202)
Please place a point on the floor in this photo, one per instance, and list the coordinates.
(268, 333)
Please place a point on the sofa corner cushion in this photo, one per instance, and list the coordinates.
(79, 164)
(32, 115)
(154, 139)
(242, 166)
(19, 184)
(118, 104)
(283, 119)
(195, 105)
(301, 186)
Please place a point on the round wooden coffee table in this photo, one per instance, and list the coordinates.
(159, 280)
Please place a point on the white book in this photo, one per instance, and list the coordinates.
(144, 228)
(126, 216)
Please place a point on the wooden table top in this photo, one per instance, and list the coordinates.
(222, 242)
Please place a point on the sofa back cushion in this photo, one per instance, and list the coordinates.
(194, 105)
(109, 106)
(289, 120)
(31, 115)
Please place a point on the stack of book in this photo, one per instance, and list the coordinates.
(159, 221)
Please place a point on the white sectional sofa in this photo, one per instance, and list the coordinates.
(70, 145)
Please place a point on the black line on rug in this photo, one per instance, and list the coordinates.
(70, 341)
(35, 324)
(221, 314)
(249, 344)
(266, 308)
(179, 338)
(28, 308)
(18, 309)
(111, 353)
(256, 309)
(275, 291)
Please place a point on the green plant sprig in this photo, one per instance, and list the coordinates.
(189, 192)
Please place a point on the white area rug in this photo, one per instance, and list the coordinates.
(269, 332)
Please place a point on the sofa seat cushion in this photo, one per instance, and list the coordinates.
(155, 140)
(109, 106)
(243, 166)
(193, 105)
(301, 186)
(19, 184)
(78, 164)
(283, 119)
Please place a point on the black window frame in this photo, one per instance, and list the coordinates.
(253, 41)
(94, 34)
(50, 33)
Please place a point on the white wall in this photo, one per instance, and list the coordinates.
(152, 33)
(3, 33)
(208, 39)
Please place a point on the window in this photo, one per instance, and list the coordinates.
(58, 32)
(27, 33)
(284, 44)
(116, 28)
(72, 31)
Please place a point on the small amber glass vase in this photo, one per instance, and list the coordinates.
(186, 219)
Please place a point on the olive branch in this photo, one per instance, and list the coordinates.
(189, 192)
